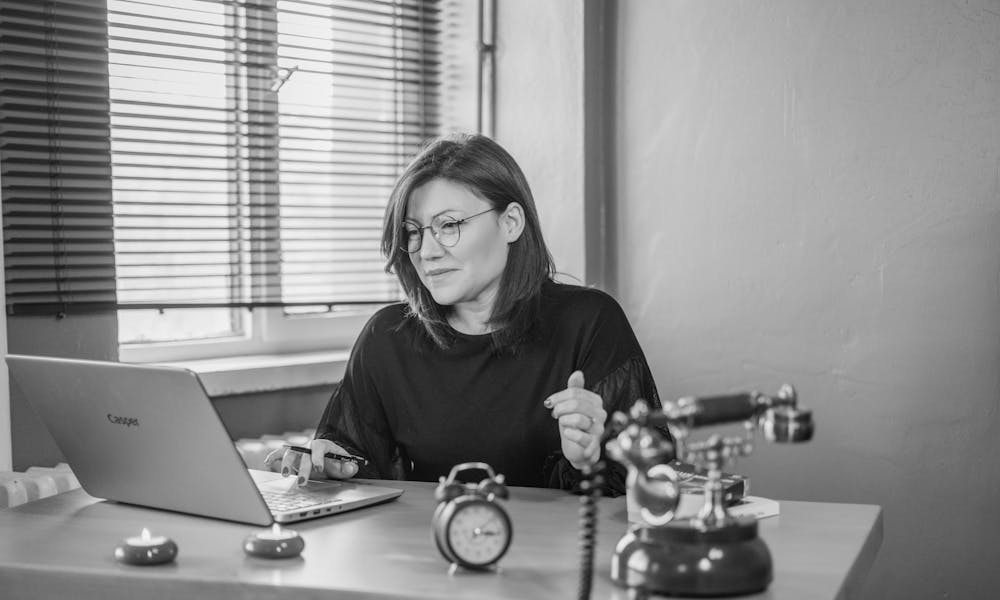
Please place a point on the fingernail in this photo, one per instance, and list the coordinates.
(351, 468)
(547, 403)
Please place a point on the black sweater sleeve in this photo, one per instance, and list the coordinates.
(619, 390)
(355, 419)
(612, 358)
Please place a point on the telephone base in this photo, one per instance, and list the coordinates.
(682, 559)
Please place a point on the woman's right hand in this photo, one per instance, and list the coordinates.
(314, 465)
(331, 468)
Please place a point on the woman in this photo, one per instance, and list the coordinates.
(488, 359)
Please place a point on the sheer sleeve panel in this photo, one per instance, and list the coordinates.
(618, 390)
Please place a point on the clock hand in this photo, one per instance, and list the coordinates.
(481, 530)
(478, 531)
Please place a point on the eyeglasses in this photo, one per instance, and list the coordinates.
(445, 231)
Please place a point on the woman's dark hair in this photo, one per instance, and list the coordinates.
(488, 171)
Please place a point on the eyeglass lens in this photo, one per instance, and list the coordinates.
(445, 231)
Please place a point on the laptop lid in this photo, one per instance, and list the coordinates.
(143, 434)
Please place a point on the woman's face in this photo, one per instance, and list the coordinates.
(469, 272)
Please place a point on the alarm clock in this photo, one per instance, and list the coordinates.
(471, 528)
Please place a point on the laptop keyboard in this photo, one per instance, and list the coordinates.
(285, 501)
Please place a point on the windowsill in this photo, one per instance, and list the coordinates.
(267, 372)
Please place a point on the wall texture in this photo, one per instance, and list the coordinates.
(539, 116)
(809, 191)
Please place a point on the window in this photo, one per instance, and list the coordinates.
(250, 149)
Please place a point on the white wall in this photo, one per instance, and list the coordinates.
(809, 191)
(540, 115)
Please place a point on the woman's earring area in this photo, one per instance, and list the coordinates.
(513, 220)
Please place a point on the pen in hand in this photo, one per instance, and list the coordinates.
(334, 455)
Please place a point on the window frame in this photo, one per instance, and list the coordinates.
(270, 330)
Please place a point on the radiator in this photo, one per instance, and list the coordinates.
(41, 482)
(37, 482)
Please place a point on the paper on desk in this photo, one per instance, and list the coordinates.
(690, 504)
(755, 506)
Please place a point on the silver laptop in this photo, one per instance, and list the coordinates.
(149, 435)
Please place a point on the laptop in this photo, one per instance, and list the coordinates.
(149, 435)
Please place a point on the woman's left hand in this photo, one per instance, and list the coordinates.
(581, 417)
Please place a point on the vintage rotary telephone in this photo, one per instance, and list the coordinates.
(712, 553)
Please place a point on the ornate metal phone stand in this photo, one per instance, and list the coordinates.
(712, 553)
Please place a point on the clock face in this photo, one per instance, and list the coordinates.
(477, 532)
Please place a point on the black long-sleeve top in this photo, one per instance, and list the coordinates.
(415, 410)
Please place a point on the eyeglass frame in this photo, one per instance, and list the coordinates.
(436, 232)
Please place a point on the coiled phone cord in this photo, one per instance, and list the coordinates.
(591, 485)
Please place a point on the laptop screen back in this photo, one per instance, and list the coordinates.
(140, 434)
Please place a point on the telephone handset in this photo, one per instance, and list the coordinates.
(712, 553)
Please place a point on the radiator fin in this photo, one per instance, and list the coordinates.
(35, 483)
(41, 482)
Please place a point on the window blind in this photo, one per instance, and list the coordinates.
(235, 153)
(55, 156)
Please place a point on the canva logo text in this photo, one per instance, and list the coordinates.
(126, 421)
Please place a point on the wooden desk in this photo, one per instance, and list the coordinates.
(61, 547)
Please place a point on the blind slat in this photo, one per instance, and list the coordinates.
(154, 154)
